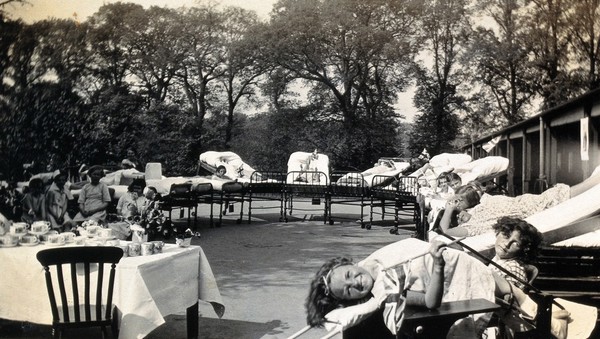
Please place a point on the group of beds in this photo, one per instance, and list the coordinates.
(392, 184)
(390, 187)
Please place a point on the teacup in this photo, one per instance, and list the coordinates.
(183, 242)
(147, 248)
(135, 249)
(92, 230)
(9, 240)
(55, 239)
(105, 233)
(29, 239)
(80, 240)
(125, 249)
(40, 226)
(18, 228)
(68, 236)
(158, 246)
(44, 237)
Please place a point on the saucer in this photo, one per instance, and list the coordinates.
(29, 243)
(20, 234)
(39, 233)
(9, 245)
(106, 238)
(61, 243)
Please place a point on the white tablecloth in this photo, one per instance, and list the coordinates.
(147, 288)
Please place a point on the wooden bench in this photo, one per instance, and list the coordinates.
(572, 273)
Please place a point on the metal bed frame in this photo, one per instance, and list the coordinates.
(266, 186)
(348, 194)
(397, 193)
(301, 188)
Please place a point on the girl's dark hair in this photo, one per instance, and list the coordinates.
(452, 176)
(531, 238)
(36, 183)
(137, 182)
(319, 301)
(472, 192)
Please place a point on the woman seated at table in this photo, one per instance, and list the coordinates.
(94, 197)
(345, 293)
(132, 203)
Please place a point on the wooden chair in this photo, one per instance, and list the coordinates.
(73, 267)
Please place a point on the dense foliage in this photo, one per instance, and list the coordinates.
(318, 74)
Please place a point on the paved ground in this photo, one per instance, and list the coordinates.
(263, 270)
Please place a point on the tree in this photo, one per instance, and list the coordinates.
(548, 40)
(584, 28)
(243, 64)
(201, 37)
(156, 52)
(356, 51)
(501, 59)
(112, 52)
(444, 27)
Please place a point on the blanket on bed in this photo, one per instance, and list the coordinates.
(235, 167)
(382, 168)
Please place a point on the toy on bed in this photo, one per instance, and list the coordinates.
(391, 167)
(309, 168)
(235, 167)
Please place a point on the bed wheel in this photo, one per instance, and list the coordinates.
(362, 225)
(368, 226)
(280, 219)
(330, 222)
(394, 230)
(286, 219)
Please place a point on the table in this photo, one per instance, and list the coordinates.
(147, 288)
(420, 322)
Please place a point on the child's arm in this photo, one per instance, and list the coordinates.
(446, 221)
(432, 298)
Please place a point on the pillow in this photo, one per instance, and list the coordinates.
(349, 316)
(485, 166)
(448, 159)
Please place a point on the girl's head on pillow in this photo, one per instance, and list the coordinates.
(454, 181)
(516, 239)
(332, 287)
(468, 195)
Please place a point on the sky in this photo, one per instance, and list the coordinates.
(36, 10)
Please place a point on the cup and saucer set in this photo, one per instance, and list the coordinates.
(39, 232)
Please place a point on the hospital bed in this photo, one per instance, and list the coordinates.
(266, 186)
(348, 188)
(313, 185)
(400, 194)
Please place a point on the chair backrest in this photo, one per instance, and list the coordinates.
(72, 265)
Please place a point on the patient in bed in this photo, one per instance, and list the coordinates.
(480, 218)
(343, 293)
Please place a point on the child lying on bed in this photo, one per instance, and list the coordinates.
(344, 294)
(481, 217)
